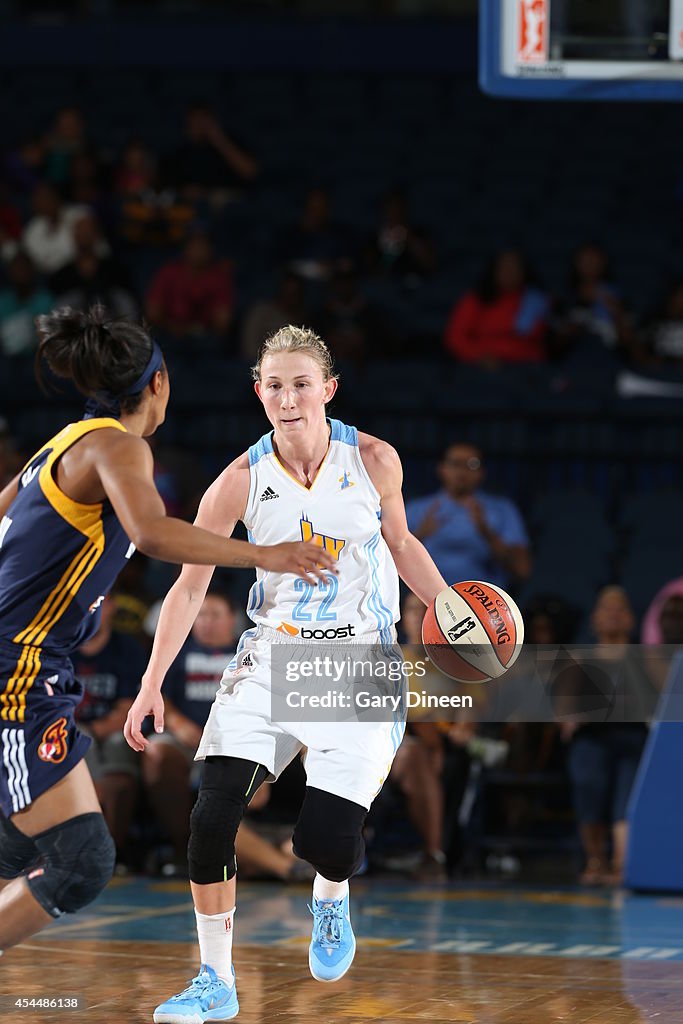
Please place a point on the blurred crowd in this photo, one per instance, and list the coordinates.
(145, 232)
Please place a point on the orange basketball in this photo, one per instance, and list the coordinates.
(473, 631)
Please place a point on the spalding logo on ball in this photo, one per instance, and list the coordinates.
(473, 631)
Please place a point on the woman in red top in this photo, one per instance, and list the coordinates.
(503, 320)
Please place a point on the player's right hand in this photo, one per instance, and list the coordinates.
(148, 702)
(303, 558)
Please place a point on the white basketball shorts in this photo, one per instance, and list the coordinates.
(342, 755)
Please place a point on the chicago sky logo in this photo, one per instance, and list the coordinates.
(345, 481)
(332, 545)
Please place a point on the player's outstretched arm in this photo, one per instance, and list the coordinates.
(125, 467)
(413, 562)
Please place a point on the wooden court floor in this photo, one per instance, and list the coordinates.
(463, 956)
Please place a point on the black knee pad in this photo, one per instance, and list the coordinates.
(228, 783)
(329, 834)
(17, 851)
(77, 862)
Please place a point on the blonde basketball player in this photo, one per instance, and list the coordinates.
(310, 478)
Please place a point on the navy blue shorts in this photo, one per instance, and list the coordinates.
(40, 750)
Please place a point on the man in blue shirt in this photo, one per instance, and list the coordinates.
(470, 534)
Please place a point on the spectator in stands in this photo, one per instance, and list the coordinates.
(287, 306)
(133, 598)
(418, 764)
(432, 766)
(155, 217)
(193, 295)
(65, 140)
(470, 534)
(84, 186)
(20, 303)
(548, 619)
(10, 224)
(93, 276)
(660, 343)
(110, 666)
(593, 309)
(22, 165)
(348, 321)
(400, 248)
(209, 164)
(137, 170)
(168, 762)
(48, 236)
(671, 620)
(503, 320)
(314, 246)
(604, 756)
(670, 625)
(651, 632)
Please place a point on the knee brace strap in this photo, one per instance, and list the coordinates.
(17, 851)
(77, 863)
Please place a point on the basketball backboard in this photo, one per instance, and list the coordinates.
(582, 49)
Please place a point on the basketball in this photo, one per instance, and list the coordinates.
(473, 631)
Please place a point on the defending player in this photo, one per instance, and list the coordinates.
(314, 478)
(68, 523)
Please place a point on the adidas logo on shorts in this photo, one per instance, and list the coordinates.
(268, 494)
(247, 662)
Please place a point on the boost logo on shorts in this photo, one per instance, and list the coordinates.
(54, 746)
(341, 633)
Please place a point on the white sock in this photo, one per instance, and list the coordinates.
(323, 889)
(215, 942)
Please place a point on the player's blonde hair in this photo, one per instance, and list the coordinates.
(296, 339)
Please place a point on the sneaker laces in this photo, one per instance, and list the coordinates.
(199, 987)
(329, 922)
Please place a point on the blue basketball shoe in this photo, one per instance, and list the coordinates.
(206, 998)
(333, 944)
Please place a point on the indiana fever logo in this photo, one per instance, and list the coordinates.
(54, 746)
(329, 544)
(495, 618)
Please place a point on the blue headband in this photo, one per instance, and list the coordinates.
(104, 403)
(156, 361)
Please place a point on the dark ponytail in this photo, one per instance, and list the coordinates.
(102, 356)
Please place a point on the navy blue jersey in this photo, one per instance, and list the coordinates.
(194, 677)
(111, 675)
(58, 558)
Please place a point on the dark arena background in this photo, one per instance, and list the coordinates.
(480, 209)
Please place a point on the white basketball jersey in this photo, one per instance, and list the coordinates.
(340, 512)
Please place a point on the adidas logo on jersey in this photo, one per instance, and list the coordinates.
(268, 494)
(247, 662)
